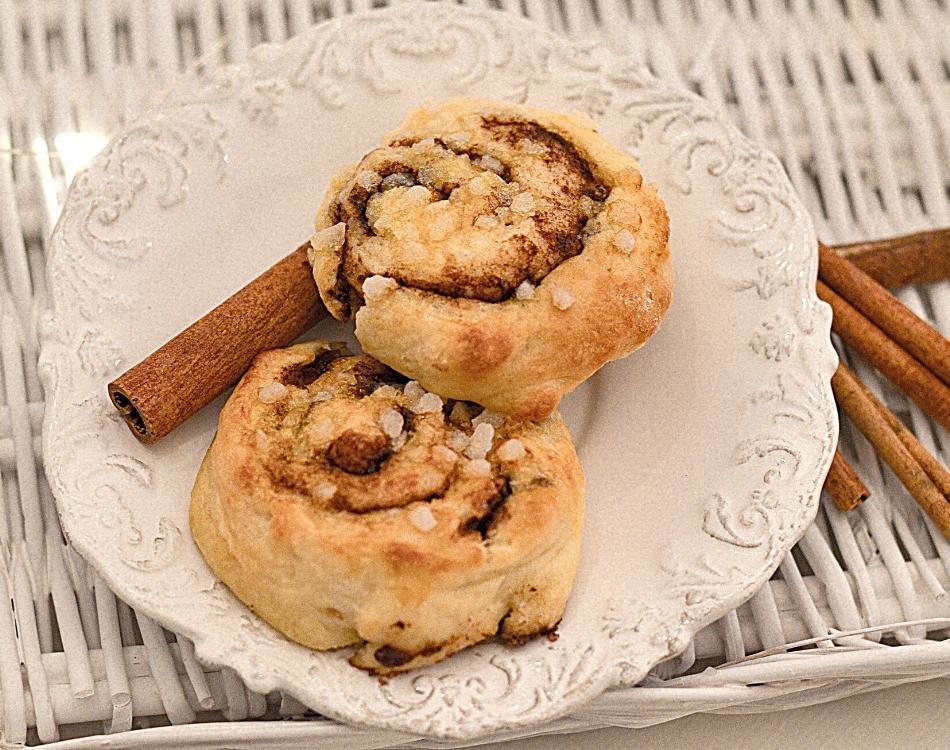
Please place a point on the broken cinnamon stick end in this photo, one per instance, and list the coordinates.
(844, 485)
(130, 414)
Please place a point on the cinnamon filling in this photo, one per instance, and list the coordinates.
(359, 453)
(347, 436)
(549, 171)
(484, 522)
(394, 657)
(304, 374)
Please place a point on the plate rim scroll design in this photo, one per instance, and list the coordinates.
(488, 688)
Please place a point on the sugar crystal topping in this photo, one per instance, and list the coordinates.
(422, 518)
(457, 440)
(272, 392)
(428, 403)
(325, 491)
(427, 174)
(377, 287)
(398, 179)
(625, 241)
(368, 179)
(525, 290)
(562, 298)
(511, 450)
(491, 163)
(528, 146)
(479, 467)
(386, 391)
(330, 238)
(587, 206)
(522, 203)
(481, 441)
(413, 390)
(391, 422)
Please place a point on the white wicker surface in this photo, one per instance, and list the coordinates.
(852, 95)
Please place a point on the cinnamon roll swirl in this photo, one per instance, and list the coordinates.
(495, 253)
(347, 506)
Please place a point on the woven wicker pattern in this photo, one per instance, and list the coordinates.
(851, 95)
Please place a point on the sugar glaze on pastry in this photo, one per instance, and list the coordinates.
(495, 253)
(346, 506)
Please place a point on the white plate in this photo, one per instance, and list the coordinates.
(704, 452)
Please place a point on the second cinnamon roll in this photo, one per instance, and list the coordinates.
(347, 506)
(495, 253)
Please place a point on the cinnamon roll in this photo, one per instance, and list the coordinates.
(495, 253)
(347, 506)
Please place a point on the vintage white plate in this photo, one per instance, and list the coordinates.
(704, 452)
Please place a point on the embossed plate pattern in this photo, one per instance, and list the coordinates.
(704, 452)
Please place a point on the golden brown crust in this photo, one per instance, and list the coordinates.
(495, 253)
(347, 508)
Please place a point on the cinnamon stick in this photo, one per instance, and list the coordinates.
(921, 258)
(902, 369)
(173, 383)
(867, 417)
(937, 472)
(886, 312)
(844, 485)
